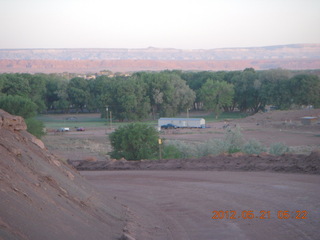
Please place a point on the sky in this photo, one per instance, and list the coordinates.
(184, 24)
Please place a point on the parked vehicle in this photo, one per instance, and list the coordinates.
(63, 129)
(169, 126)
(182, 122)
(81, 129)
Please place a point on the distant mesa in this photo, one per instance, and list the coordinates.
(295, 56)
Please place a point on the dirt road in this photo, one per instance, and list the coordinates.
(179, 204)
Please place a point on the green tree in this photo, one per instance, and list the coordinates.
(168, 93)
(216, 95)
(134, 141)
(2, 81)
(99, 92)
(247, 91)
(305, 89)
(52, 86)
(17, 105)
(195, 80)
(275, 88)
(127, 99)
(24, 107)
(183, 96)
(26, 85)
(37, 91)
(62, 102)
(35, 127)
(15, 84)
(78, 93)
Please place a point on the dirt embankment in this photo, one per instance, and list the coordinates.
(43, 198)
(293, 163)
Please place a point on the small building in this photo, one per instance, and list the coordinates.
(183, 122)
(308, 120)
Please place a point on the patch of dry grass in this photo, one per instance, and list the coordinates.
(72, 147)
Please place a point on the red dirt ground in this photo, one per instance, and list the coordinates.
(41, 197)
(178, 205)
(269, 127)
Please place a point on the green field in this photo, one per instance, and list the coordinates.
(54, 121)
(72, 121)
(225, 115)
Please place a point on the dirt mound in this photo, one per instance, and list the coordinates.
(281, 116)
(43, 198)
(288, 163)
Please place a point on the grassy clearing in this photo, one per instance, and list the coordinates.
(69, 147)
(225, 115)
(71, 121)
(54, 121)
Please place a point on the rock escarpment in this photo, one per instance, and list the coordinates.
(41, 197)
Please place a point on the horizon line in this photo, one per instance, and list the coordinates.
(152, 47)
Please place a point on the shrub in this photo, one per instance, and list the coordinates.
(171, 152)
(35, 127)
(253, 147)
(215, 147)
(233, 140)
(231, 143)
(204, 149)
(189, 150)
(135, 141)
(278, 148)
(185, 150)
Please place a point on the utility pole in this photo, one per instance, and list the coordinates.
(107, 112)
(187, 117)
(110, 119)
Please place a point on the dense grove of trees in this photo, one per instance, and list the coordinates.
(167, 93)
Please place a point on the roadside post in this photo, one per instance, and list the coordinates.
(110, 120)
(107, 112)
(160, 149)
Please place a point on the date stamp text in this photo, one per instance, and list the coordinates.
(263, 214)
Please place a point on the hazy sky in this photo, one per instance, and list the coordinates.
(187, 24)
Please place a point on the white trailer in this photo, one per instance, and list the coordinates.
(182, 122)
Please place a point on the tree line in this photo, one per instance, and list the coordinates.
(160, 94)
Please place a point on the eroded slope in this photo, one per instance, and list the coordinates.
(43, 198)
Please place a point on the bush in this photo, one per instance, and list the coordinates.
(185, 150)
(253, 147)
(204, 149)
(231, 143)
(278, 148)
(213, 147)
(171, 152)
(35, 127)
(135, 141)
(233, 140)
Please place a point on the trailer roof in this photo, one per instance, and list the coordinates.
(182, 119)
